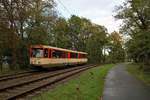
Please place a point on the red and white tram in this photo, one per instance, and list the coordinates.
(48, 56)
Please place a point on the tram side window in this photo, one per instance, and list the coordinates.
(45, 53)
(49, 53)
(64, 55)
(37, 52)
(82, 55)
(56, 54)
(73, 55)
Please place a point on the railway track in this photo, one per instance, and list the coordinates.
(16, 75)
(16, 88)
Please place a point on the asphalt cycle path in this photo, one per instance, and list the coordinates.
(121, 85)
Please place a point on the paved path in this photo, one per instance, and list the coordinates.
(120, 85)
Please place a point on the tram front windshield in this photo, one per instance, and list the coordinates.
(37, 52)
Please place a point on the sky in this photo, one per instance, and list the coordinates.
(98, 11)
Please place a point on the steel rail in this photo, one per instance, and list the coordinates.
(33, 85)
(16, 75)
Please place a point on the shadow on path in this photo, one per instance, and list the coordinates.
(120, 85)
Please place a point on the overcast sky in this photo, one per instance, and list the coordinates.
(98, 11)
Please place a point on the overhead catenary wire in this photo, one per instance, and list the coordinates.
(64, 7)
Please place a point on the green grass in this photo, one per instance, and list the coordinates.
(141, 75)
(88, 86)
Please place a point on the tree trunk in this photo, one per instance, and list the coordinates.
(1, 64)
(13, 46)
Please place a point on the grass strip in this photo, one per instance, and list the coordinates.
(141, 75)
(88, 86)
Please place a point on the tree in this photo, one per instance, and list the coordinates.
(96, 43)
(136, 18)
(75, 26)
(9, 16)
(27, 22)
(79, 32)
(61, 36)
(117, 52)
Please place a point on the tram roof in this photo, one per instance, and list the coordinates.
(56, 48)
